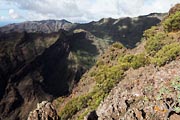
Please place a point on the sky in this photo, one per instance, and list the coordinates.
(78, 11)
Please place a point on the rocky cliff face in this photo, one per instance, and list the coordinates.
(31, 71)
(40, 66)
(44, 111)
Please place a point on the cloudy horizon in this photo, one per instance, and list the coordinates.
(79, 11)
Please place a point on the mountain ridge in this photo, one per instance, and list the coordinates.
(23, 27)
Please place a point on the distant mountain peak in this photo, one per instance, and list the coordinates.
(46, 26)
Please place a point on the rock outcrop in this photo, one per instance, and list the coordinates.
(136, 97)
(44, 111)
(174, 9)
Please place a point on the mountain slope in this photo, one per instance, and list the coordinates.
(40, 66)
(27, 81)
(150, 92)
(147, 79)
(127, 31)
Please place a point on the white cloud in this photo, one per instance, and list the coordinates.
(88, 10)
(2, 18)
(13, 14)
(159, 6)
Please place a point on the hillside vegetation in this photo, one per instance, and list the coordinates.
(159, 47)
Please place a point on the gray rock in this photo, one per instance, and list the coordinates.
(44, 111)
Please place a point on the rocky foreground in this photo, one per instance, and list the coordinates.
(44, 111)
(146, 93)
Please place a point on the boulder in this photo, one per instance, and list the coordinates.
(44, 111)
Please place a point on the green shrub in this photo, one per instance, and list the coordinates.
(139, 61)
(99, 63)
(154, 43)
(172, 23)
(134, 61)
(166, 54)
(117, 45)
(74, 106)
(150, 32)
(107, 77)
